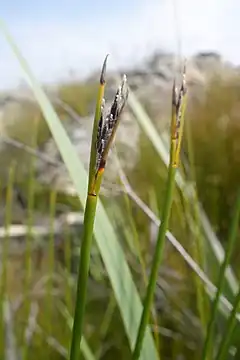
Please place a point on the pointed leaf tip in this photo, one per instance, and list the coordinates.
(103, 72)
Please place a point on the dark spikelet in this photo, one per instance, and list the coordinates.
(100, 126)
(182, 93)
(107, 124)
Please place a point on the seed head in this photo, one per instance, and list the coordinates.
(108, 123)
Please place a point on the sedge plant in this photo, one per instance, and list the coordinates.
(104, 130)
(178, 112)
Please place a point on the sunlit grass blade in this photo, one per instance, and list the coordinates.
(208, 346)
(178, 113)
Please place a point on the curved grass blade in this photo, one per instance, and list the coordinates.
(117, 268)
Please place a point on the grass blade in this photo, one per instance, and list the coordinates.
(179, 105)
(231, 242)
(89, 218)
(156, 262)
(231, 326)
(85, 348)
(160, 144)
(101, 142)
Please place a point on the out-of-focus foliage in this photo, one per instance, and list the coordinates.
(79, 96)
(215, 130)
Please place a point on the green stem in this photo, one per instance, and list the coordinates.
(156, 263)
(51, 259)
(89, 217)
(231, 242)
(232, 319)
(230, 330)
(198, 250)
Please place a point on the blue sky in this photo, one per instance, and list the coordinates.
(57, 36)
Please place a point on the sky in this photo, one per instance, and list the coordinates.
(59, 36)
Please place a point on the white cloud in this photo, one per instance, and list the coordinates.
(52, 48)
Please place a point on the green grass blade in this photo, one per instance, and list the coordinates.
(197, 246)
(231, 242)
(125, 291)
(85, 348)
(161, 145)
(28, 252)
(89, 218)
(51, 260)
(231, 326)
(177, 124)
(156, 262)
(7, 224)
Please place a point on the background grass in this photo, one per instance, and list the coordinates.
(41, 312)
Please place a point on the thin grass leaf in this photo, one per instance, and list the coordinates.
(125, 291)
(198, 242)
(225, 306)
(208, 346)
(85, 348)
(29, 238)
(51, 259)
(231, 327)
(104, 129)
(135, 246)
(7, 332)
(178, 113)
(106, 322)
(161, 144)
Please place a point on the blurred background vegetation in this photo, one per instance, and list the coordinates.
(41, 225)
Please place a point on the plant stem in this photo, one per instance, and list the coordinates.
(83, 276)
(230, 330)
(231, 242)
(232, 319)
(198, 249)
(89, 217)
(177, 123)
(156, 262)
